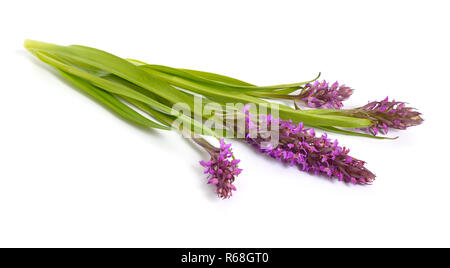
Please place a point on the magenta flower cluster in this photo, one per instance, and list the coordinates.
(322, 95)
(222, 169)
(388, 114)
(299, 146)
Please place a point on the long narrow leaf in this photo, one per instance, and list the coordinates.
(113, 103)
(352, 133)
(111, 64)
(116, 88)
(284, 111)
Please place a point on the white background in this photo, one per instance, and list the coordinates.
(72, 174)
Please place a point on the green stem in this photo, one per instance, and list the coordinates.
(284, 111)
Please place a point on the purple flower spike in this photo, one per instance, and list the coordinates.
(388, 114)
(319, 155)
(221, 168)
(322, 95)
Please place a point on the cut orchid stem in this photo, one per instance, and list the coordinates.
(223, 95)
(323, 95)
(226, 79)
(385, 114)
(92, 64)
(233, 84)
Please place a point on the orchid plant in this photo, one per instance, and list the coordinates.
(132, 88)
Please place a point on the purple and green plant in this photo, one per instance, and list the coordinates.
(146, 95)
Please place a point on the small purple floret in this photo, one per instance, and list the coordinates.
(322, 95)
(222, 169)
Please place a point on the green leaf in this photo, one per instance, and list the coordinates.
(115, 88)
(112, 102)
(110, 64)
(161, 117)
(217, 83)
(351, 133)
(218, 77)
(198, 76)
(97, 63)
(285, 112)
